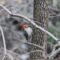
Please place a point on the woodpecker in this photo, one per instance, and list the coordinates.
(26, 29)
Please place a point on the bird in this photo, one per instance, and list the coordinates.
(27, 30)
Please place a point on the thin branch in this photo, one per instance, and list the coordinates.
(3, 37)
(4, 43)
(5, 9)
(32, 22)
(37, 26)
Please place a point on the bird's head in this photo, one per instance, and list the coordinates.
(24, 26)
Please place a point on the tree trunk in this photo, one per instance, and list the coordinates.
(39, 37)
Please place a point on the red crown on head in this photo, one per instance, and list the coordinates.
(24, 25)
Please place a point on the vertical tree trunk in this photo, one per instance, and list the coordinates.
(39, 37)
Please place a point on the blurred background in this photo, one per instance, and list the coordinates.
(26, 7)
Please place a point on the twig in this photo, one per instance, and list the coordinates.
(37, 26)
(5, 9)
(32, 22)
(4, 43)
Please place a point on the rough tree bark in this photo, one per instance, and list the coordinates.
(39, 37)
